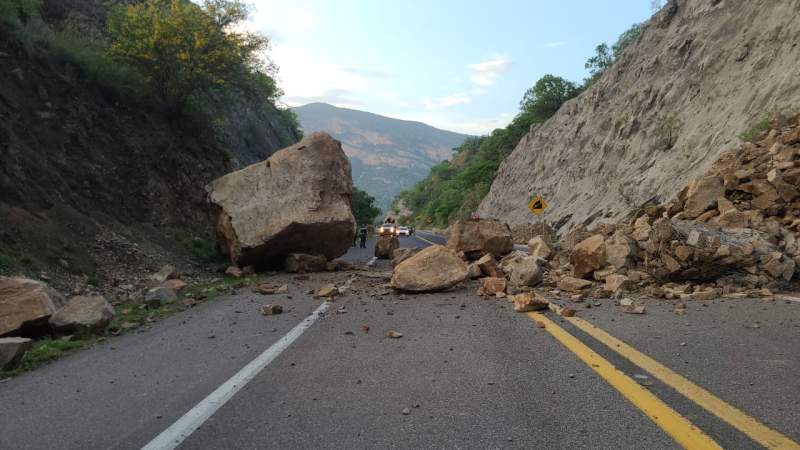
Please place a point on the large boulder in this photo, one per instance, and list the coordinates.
(83, 315)
(477, 237)
(434, 268)
(298, 200)
(401, 254)
(588, 256)
(26, 306)
(702, 195)
(303, 263)
(521, 269)
(385, 246)
(539, 248)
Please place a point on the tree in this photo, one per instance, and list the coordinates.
(183, 48)
(546, 97)
(363, 206)
(626, 38)
(602, 60)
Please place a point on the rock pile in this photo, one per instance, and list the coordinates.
(732, 232)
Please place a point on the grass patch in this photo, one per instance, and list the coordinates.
(46, 350)
(204, 250)
(218, 286)
(129, 315)
(756, 131)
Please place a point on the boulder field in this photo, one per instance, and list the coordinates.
(296, 201)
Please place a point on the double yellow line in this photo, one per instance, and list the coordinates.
(676, 426)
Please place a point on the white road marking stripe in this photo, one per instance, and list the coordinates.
(192, 420)
(372, 261)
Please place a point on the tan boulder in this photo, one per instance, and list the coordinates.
(83, 315)
(588, 256)
(26, 306)
(528, 301)
(328, 290)
(434, 268)
(572, 284)
(477, 237)
(305, 263)
(616, 282)
(474, 271)
(539, 248)
(297, 201)
(167, 272)
(488, 266)
(492, 285)
(732, 219)
(401, 254)
(521, 269)
(12, 349)
(233, 271)
(621, 251)
(385, 245)
(702, 195)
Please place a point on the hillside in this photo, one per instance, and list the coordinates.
(699, 74)
(91, 172)
(388, 155)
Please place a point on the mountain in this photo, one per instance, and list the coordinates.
(388, 155)
(699, 75)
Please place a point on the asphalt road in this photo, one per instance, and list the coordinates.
(468, 373)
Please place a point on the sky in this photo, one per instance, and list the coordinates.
(457, 65)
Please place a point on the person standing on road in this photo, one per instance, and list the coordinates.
(363, 234)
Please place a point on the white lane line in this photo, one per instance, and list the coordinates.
(372, 261)
(192, 420)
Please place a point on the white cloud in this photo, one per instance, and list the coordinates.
(448, 100)
(487, 72)
(554, 44)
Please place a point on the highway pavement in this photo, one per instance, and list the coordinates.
(468, 372)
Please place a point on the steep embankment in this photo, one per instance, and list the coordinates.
(97, 188)
(703, 70)
(388, 155)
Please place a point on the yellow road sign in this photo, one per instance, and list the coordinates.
(537, 205)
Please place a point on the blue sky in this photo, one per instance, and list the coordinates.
(457, 65)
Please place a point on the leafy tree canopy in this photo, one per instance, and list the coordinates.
(183, 48)
(363, 206)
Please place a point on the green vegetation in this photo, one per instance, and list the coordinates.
(605, 56)
(667, 128)
(363, 206)
(6, 261)
(184, 50)
(187, 58)
(12, 11)
(44, 351)
(129, 315)
(453, 189)
(757, 130)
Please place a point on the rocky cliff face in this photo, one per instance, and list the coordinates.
(703, 69)
(93, 187)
